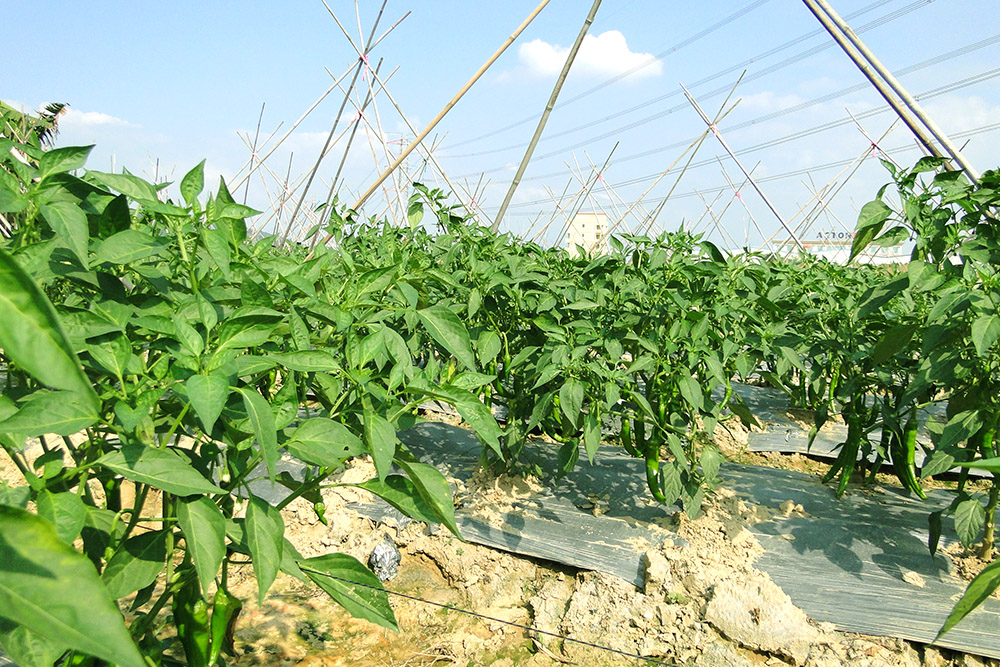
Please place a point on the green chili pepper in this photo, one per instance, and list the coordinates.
(191, 619)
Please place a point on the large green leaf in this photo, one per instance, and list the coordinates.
(27, 648)
(353, 586)
(128, 246)
(985, 332)
(307, 360)
(262, 419)
(193, 183)
(323, 442)
(61, 160)
(691, 391)
(54, 591)
(204, 529)
(136, 563)
(163, 469)
(69, 222)
(66, 511)
(449, 332)
(571, 399)
(978, 590)
(433, 487)
(402, 494)
(207, 394)
(265, 530)
(31, 336)
(870, 222)
(380, 437)
(970, 517)
(60, 412)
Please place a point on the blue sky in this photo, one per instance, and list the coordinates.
(178, 82)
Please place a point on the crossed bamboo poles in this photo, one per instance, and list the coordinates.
(594, 188)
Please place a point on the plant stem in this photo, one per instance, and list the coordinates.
(986, 550)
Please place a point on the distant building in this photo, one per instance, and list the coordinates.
(835, 246)
(588, 230)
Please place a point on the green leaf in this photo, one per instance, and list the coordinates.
(985, 331)
(353, 586)
(323, 442)
(402, 494)
(970, 517)
(475, 301)
(15, 496)
(208, 395)
(31, 336)
(59, 412)
(488, 346)
(27, 648)
(435, 490)
(992, 464)
(307, 361)
(61, 160)
(128, 246)
(870, 222)
(960, 428)
(978, 590)
(691, 391)
(125, 183)
(54, 591)
(591, 435)
(262, 419)
(65, 511)
(711, 460)
(204, 529)
(449, 332)
(265, 530)
(380, 437)
(893, 342)
(193, 183)
(571, 400)
(136, 563)
(163, 469)
(217, 246)
(472, 410)
(69, 223)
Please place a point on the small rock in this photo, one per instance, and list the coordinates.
(656, 574)
(760, 616)
(384, 559)
(787, 507)
(914, 579)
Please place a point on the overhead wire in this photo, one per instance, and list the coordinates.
(646, 63)
(935, 92)
(892, 16)
(493, 619)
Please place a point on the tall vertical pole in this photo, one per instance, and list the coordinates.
(888, 85)
(545, 114)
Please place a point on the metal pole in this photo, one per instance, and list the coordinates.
(545, 114)
(896, 87)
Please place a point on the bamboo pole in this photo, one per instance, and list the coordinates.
(362, 63)
(835, 25)
(437, 119)
(545, 114)
(718, 135)
(583, 199)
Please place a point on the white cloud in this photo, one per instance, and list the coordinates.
(605, 55)
(80, 119)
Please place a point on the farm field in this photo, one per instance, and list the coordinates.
(314, 435)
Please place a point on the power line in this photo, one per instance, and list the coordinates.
(498, 620)
(788, 174)
(935, 92)
(892, 16)
(607, 82)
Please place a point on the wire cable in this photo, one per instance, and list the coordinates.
(892, 16)
(500, 620)
(690, 40)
